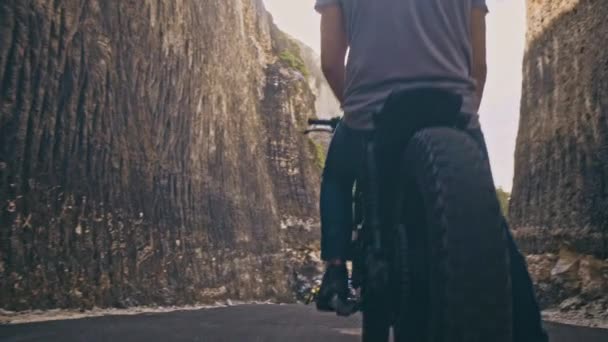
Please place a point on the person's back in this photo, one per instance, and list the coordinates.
(397, 44)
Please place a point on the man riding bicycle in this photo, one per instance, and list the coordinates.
(396, 45)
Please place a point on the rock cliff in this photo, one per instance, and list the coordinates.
(559, 204)
(149, 151)
(326, 104)
(560, 192)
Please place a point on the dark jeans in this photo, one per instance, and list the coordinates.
(341, 167)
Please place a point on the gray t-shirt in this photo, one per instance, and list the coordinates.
(402, 44)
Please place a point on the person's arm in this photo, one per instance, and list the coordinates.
(478, 38)
(333, 48)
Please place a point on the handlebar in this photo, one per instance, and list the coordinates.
(331, 125)
(320, 122)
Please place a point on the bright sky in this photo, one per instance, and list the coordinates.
(500, 107)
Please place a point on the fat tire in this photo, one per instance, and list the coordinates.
(456, 286)
(376, 325)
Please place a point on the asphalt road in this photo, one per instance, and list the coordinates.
(249, 323)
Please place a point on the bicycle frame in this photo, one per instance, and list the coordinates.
(373, 218)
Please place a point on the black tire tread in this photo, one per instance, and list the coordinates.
(469, 278)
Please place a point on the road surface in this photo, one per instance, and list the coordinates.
(249, 323)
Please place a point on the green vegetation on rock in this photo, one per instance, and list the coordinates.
(503, 199)
(294, 61)
(318, 153)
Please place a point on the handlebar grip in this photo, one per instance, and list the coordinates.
(320, 122)
(333, 122)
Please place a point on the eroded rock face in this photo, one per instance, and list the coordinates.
(146, 154)
(560, 192)
(303, 252)
(570, 281)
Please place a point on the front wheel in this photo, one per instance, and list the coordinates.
(452, 247)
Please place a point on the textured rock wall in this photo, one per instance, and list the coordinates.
(326, 104)
(148, 152)
(560, 193)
